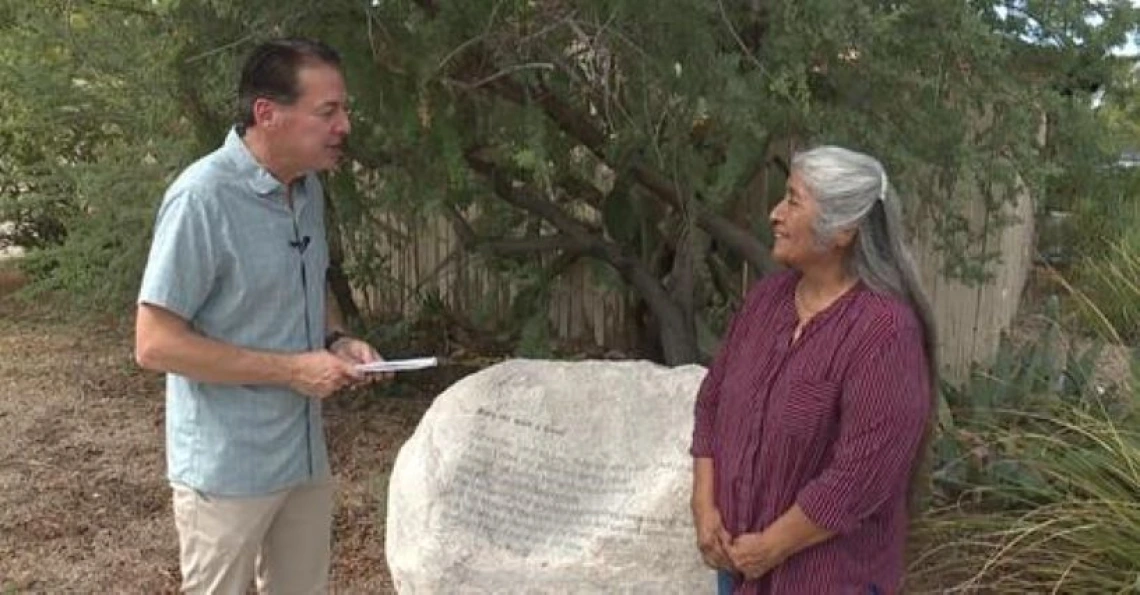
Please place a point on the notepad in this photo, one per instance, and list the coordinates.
(398, 365)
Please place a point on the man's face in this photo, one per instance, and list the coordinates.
(310, 134)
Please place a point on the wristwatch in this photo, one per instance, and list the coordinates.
(333, 337)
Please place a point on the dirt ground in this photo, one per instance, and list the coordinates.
(84, 506)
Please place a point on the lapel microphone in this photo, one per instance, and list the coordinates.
(300, 245)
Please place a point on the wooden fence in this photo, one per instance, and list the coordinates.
(425, 257)
(971, 317)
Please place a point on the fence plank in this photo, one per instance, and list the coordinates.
(970, 318)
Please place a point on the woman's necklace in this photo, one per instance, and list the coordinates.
(802, 313)
(805, 314)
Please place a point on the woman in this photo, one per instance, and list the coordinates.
(810, 421)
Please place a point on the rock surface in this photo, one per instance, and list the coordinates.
(550, 477)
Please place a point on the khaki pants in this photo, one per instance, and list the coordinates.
(283, 538)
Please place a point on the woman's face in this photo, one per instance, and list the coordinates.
(793, 219)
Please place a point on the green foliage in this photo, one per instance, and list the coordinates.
(701, 91)
(1060, 516)
(1097, 231)
(1041, 378)
(535, 340)
(610, 124)
(1104, 236)
(90, 139)
(1108, 301)
(1038, 473)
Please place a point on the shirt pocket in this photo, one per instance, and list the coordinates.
(810, 408)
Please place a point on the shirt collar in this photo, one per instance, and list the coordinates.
(260, 180)
(835, 308)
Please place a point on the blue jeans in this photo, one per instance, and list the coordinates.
(723, 582)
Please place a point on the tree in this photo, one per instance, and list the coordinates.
(683, 103)
(89, 135)
(642, 134)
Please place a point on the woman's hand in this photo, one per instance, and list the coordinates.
(712, 538)
(754, 554)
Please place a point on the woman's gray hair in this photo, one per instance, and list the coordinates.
(853, 191)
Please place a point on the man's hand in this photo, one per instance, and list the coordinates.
(319, 374)
(356, 352)
(754, 554)
(712, 538)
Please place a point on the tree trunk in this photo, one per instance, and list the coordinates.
(337, 279)
(678, 332)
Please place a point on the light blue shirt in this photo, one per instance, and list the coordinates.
(231, 258)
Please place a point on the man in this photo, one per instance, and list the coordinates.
(233, 308)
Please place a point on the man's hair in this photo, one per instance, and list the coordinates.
(271, 69)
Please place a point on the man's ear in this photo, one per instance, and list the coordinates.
(264, 112)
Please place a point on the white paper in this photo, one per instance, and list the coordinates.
(399, 365)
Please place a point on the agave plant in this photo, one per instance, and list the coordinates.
(1067, 520)
(1038, 467)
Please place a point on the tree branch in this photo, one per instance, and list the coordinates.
(678, 340)
(511, 247)
(682, 276)
(581, 129)
(124, 8)
(371, 160)
(338, 281)
(725, 231)
(579, 188)
(429, 6)
(723, 281)
(504, 186)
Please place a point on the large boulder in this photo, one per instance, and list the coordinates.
(550, 477)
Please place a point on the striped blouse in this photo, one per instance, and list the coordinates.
(831, 422)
